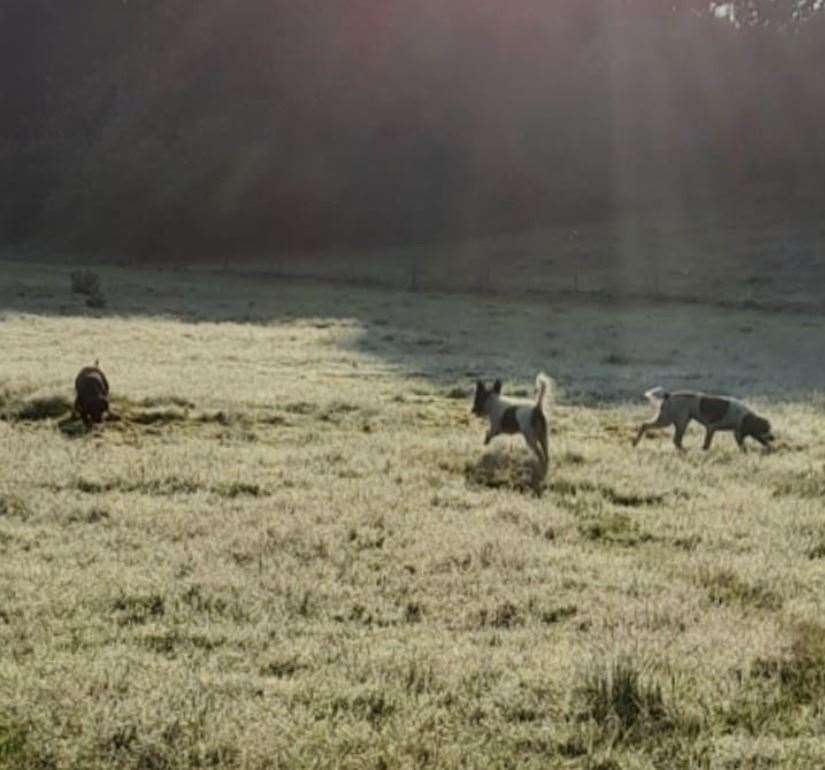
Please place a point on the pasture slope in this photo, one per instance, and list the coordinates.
(292, 550)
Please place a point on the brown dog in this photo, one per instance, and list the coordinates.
(92, 388)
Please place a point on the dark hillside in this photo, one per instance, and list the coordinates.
(184, 128)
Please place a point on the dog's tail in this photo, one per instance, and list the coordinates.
(657, 395)
(543, 384)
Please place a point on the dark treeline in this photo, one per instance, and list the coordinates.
(198, 127)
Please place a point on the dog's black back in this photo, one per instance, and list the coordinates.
(92, 389)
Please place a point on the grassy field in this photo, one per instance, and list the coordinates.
(293, 551)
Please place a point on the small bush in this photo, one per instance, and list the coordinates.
(96, 301)
(616, 359)
(85, 282)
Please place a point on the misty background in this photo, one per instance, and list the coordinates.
(184, 129)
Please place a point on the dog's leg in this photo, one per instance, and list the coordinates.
(660, 422)
(681, 427)
(533, 443)
(543, 442)
(708, 436)
(740, 440)
(489, 436)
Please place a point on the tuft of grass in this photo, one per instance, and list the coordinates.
(571, 458)
(779, 690)
(617, 528)
(724, 586)
(616, 359)
(169, 485)
(504, 615)
(239, 489)
(92, 515)
(556, 615)
(630, 499)
(800, 674)
(283, 668)
(817, 550)
(13, 739)
(14, 506)
(137, 609)
(623, 702)
(805, 484)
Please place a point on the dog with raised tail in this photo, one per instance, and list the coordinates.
(92, 389)
(509, 415)
(714, 412)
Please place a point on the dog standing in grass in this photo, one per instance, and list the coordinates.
(510, 416)
(714, 412)
(92, 389)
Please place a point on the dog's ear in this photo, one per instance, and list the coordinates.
(497, 387)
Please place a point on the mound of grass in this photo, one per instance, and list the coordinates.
(505, 471)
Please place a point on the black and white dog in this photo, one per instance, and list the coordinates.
(714, 412)
(508, 415)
